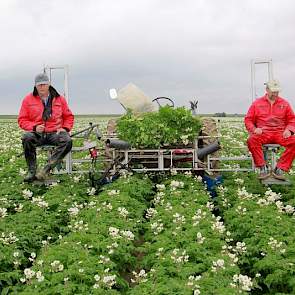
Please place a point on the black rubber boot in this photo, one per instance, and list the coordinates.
(43, 174)
(29, 141)
(31, 176)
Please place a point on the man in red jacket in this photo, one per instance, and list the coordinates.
(47, 120)
(270, 119)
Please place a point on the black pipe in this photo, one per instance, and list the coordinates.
(118, 144)
(208, 149)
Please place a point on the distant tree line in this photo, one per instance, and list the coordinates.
(223, 114)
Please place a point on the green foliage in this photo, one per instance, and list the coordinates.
(48, 233)
(154, 130)
(266, 230)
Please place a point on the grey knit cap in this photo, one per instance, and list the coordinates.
(41, 79)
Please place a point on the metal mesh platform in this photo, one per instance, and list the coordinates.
(271, 180)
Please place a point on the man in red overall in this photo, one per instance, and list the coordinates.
(270, 119)
(46, 119)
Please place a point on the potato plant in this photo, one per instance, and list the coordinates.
(144, 234)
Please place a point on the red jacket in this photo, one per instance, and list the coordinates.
(31, 111)
(278, 116)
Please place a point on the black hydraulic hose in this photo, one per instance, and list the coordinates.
(208, 149)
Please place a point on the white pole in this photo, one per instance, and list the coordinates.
(65, 68)
(259, 61)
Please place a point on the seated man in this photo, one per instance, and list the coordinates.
(270, 119)
(47, 120)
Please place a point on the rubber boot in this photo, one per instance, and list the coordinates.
(43, 174)
(279, 174)
(31, 176)
(263, 173)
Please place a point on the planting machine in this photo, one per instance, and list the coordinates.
(119, 156)
(201, 156)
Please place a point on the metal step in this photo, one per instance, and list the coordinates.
(271, 180)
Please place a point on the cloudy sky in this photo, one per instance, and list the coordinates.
(185, 50)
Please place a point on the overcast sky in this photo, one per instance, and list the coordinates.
(185, 49)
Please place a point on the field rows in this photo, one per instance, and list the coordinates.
(144, 234)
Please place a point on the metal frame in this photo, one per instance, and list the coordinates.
(145, 157)
(259, 61)
(241, 158)
(65, 68)
(270, 154)
(162, 156)
(161, 159)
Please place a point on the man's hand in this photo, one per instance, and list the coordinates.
(40, 128)
(59, 130)
(286, 133)
(258, 131)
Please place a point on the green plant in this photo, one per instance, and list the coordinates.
(159, 129)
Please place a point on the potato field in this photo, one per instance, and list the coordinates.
(144, 233)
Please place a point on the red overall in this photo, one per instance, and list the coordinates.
(273, 119)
